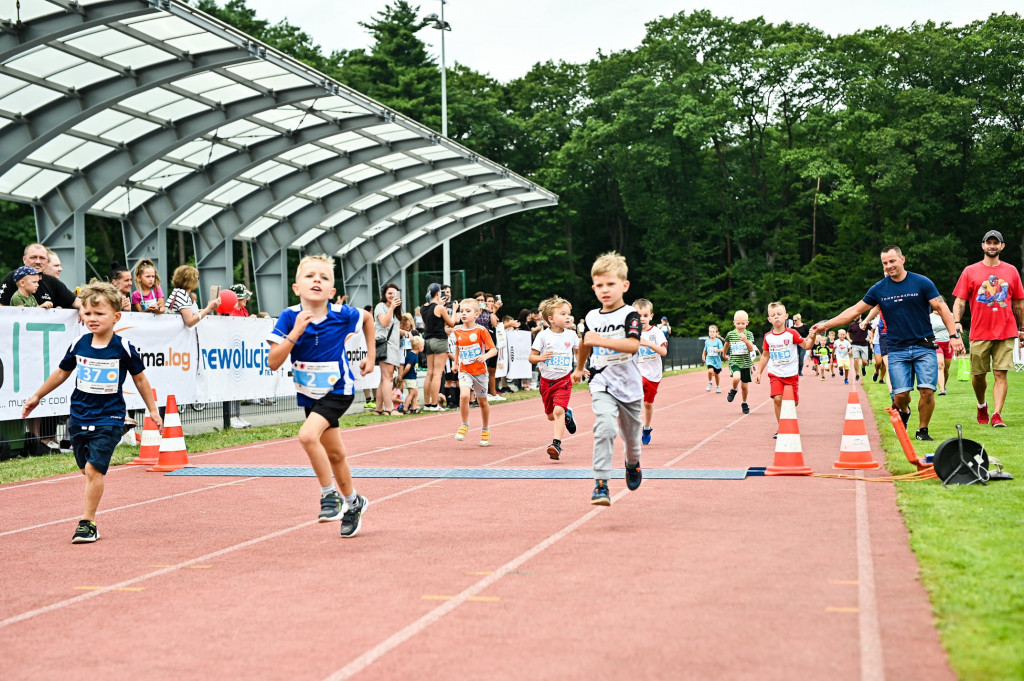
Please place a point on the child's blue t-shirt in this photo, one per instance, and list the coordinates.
(906, 307)
(97, 399)
(320, 365)
(714, 359)
(412, 359)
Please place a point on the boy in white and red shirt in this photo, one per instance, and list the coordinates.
(780, 354)
(653, 346)
(553, 351)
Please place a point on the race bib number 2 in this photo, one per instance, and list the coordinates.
(315, 379)
(98, 376)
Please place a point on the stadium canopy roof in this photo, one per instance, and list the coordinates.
(157, 115)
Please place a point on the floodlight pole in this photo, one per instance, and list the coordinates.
(444, 74)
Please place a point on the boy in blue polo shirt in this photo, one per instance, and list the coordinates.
(313, 333)
(101, 361)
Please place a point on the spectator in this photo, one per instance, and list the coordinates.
(27, 280)
(905, 299)
(493, 304)
(859, 347)
(121, 278)
(148, 296)
(997, 321)
(185, 280)
(943, 354)
(435, 318)
(386, 317)
(418, 319)
(50, 290)
(53, 266)
(243, 294)
(800, 328)
(665, 327)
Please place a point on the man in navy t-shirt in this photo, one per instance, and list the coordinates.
(906, 299)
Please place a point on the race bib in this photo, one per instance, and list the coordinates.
(98, 376)
(737, 348)
(646, 354)
(315, 379)
(560, 361)
(469, 353)
(604, 357)
(781, 356)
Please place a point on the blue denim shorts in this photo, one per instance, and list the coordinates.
(907, 365)
(95, 446)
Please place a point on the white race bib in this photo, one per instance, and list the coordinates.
(98, 376)
(562, 360)
(469, 353)
(605, 357)
(315, 379)
(646, 354)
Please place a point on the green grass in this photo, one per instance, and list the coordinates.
(969, 540)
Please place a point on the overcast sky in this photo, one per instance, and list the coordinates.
(505, 38)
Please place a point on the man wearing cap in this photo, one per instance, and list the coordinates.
(244, 295)
(993, 291)
(51, 290)
(665, 327)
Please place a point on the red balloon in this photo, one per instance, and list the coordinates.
(228, 301)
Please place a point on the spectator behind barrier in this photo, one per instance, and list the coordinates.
(50, 290)
(243, 295)
(121, 278)
(53, 266)
(185, 280)
(148, 296)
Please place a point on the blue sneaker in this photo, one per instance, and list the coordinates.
(634, 476)
(601, 497)
(645, 438)
(570, 424)
(846, 381)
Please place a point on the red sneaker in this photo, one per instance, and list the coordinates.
(997, 421)
(983, 415)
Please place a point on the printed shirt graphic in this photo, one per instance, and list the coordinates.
(905, 305)
(648, 360)
(99, 375)
(470, 344)
(714, 349)
(319, 363)
(783, 358)
(821, 352)
(615, 372)
(739, 355)
(842, 348)
(562, 345)
(990, 291)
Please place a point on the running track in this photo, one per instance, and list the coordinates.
(233, 578)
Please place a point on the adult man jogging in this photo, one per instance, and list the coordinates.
(996, 297)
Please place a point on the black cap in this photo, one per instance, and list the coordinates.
(993, 233)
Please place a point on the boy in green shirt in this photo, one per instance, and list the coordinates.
(739, 343)
(27, 280)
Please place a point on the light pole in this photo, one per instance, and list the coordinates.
(440, 24)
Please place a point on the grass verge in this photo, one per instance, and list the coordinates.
(968, 539)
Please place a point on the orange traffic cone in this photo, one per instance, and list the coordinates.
(789, 457)
(172, 447)
(149, 450)
(855, 451)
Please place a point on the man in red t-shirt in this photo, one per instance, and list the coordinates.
(996, 298)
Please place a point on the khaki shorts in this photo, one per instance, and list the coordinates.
(994, 355)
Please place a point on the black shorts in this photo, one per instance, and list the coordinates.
(744, 373)
(717, 370)
(331, 406)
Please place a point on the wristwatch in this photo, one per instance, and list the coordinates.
(956, 335)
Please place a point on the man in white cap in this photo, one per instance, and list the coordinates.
(993, 290)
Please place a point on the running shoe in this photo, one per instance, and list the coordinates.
(745, 407)
(554, 450)
(369, 404)
(846, 381)
(776, 436)
(495, 398)
(874, 377)
(634, 476)
(718, 390)
(601, 497)
(85, 533)
(485, 438)
(570, 423)
(708, 389)
(997, 421)
(353, 518)
(330, 507)
(922, 434)
(941, 392)
(238, 423)
(905, 418)
(983, 415)
(840, 371)
(460, 434)
(645, 437)
(731, 396)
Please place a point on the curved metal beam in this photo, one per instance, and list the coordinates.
(18, 38)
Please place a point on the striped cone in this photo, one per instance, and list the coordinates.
(855, 451)
(789, 456)
(149, 451)
(172, 447)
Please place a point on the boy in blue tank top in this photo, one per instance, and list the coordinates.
(100, 360)
(313, 333)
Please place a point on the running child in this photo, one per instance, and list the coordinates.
(474, 347)
(653, 346)
(740, 344)
(843, 347)
(611, 339)
(148, 296)
(553, 351)
(780, 355)
(830, 343)
(313, 333)
(101, 360)
(712, 358)
(820, 356)
(409, 374)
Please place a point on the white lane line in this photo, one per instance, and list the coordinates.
(713, 435)
(872, 667)
(179, 566)
(401, 636)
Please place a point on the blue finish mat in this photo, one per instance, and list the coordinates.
(475, 473)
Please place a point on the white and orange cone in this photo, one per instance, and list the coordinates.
(855, 450)
(149, 450)
(172, 446)
(789, 456)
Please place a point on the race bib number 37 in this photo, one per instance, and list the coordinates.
(97, 376)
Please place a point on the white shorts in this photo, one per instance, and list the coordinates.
(477, 383)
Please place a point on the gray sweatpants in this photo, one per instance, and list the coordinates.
(612, 417)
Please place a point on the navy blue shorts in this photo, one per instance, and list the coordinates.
(95, 445)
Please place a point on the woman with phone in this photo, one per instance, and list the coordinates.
(435, 339)
(386, 320)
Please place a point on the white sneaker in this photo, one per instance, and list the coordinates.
(495, 398)
(708, 389)
(718, 389)
(237, 422)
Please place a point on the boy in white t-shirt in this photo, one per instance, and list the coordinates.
(653, 346)
(553, 352)
(616, 387)
(842, 348)
(779, 354)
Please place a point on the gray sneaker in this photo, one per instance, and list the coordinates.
(330, 507)
(353, 518)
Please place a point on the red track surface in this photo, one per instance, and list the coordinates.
(201, 577)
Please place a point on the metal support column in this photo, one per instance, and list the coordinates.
(150, 244)
(359, 286)
(67, 240)
(217, 267)
(273, 280)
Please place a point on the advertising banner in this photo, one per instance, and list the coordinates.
(169, 351)
(355, 350)
(32, 343)
(232, 365)
(501, 343)
(518, 343)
